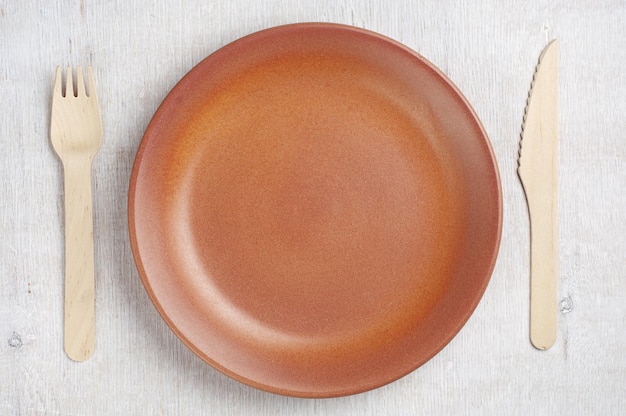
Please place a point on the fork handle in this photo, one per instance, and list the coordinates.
(79, 338)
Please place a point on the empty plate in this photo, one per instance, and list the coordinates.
(315, 210)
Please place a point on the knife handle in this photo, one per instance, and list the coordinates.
(543, 274)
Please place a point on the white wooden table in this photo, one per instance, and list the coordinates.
(488, 48)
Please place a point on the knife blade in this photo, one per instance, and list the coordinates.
(538, 172)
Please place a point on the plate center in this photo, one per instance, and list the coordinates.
(324, 226)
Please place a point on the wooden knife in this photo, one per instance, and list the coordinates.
(538, 171)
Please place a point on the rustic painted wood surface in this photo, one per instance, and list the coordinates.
(139, 51)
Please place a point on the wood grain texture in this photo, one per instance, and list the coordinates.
(76, 135)
(489, 49)
(539, 173)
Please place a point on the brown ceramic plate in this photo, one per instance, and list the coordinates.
(315, 210)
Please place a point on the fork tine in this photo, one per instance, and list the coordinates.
(92, 84)
(58, 84)
(69, 84)
(80, 82)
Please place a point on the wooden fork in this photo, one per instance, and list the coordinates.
(76, 134)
